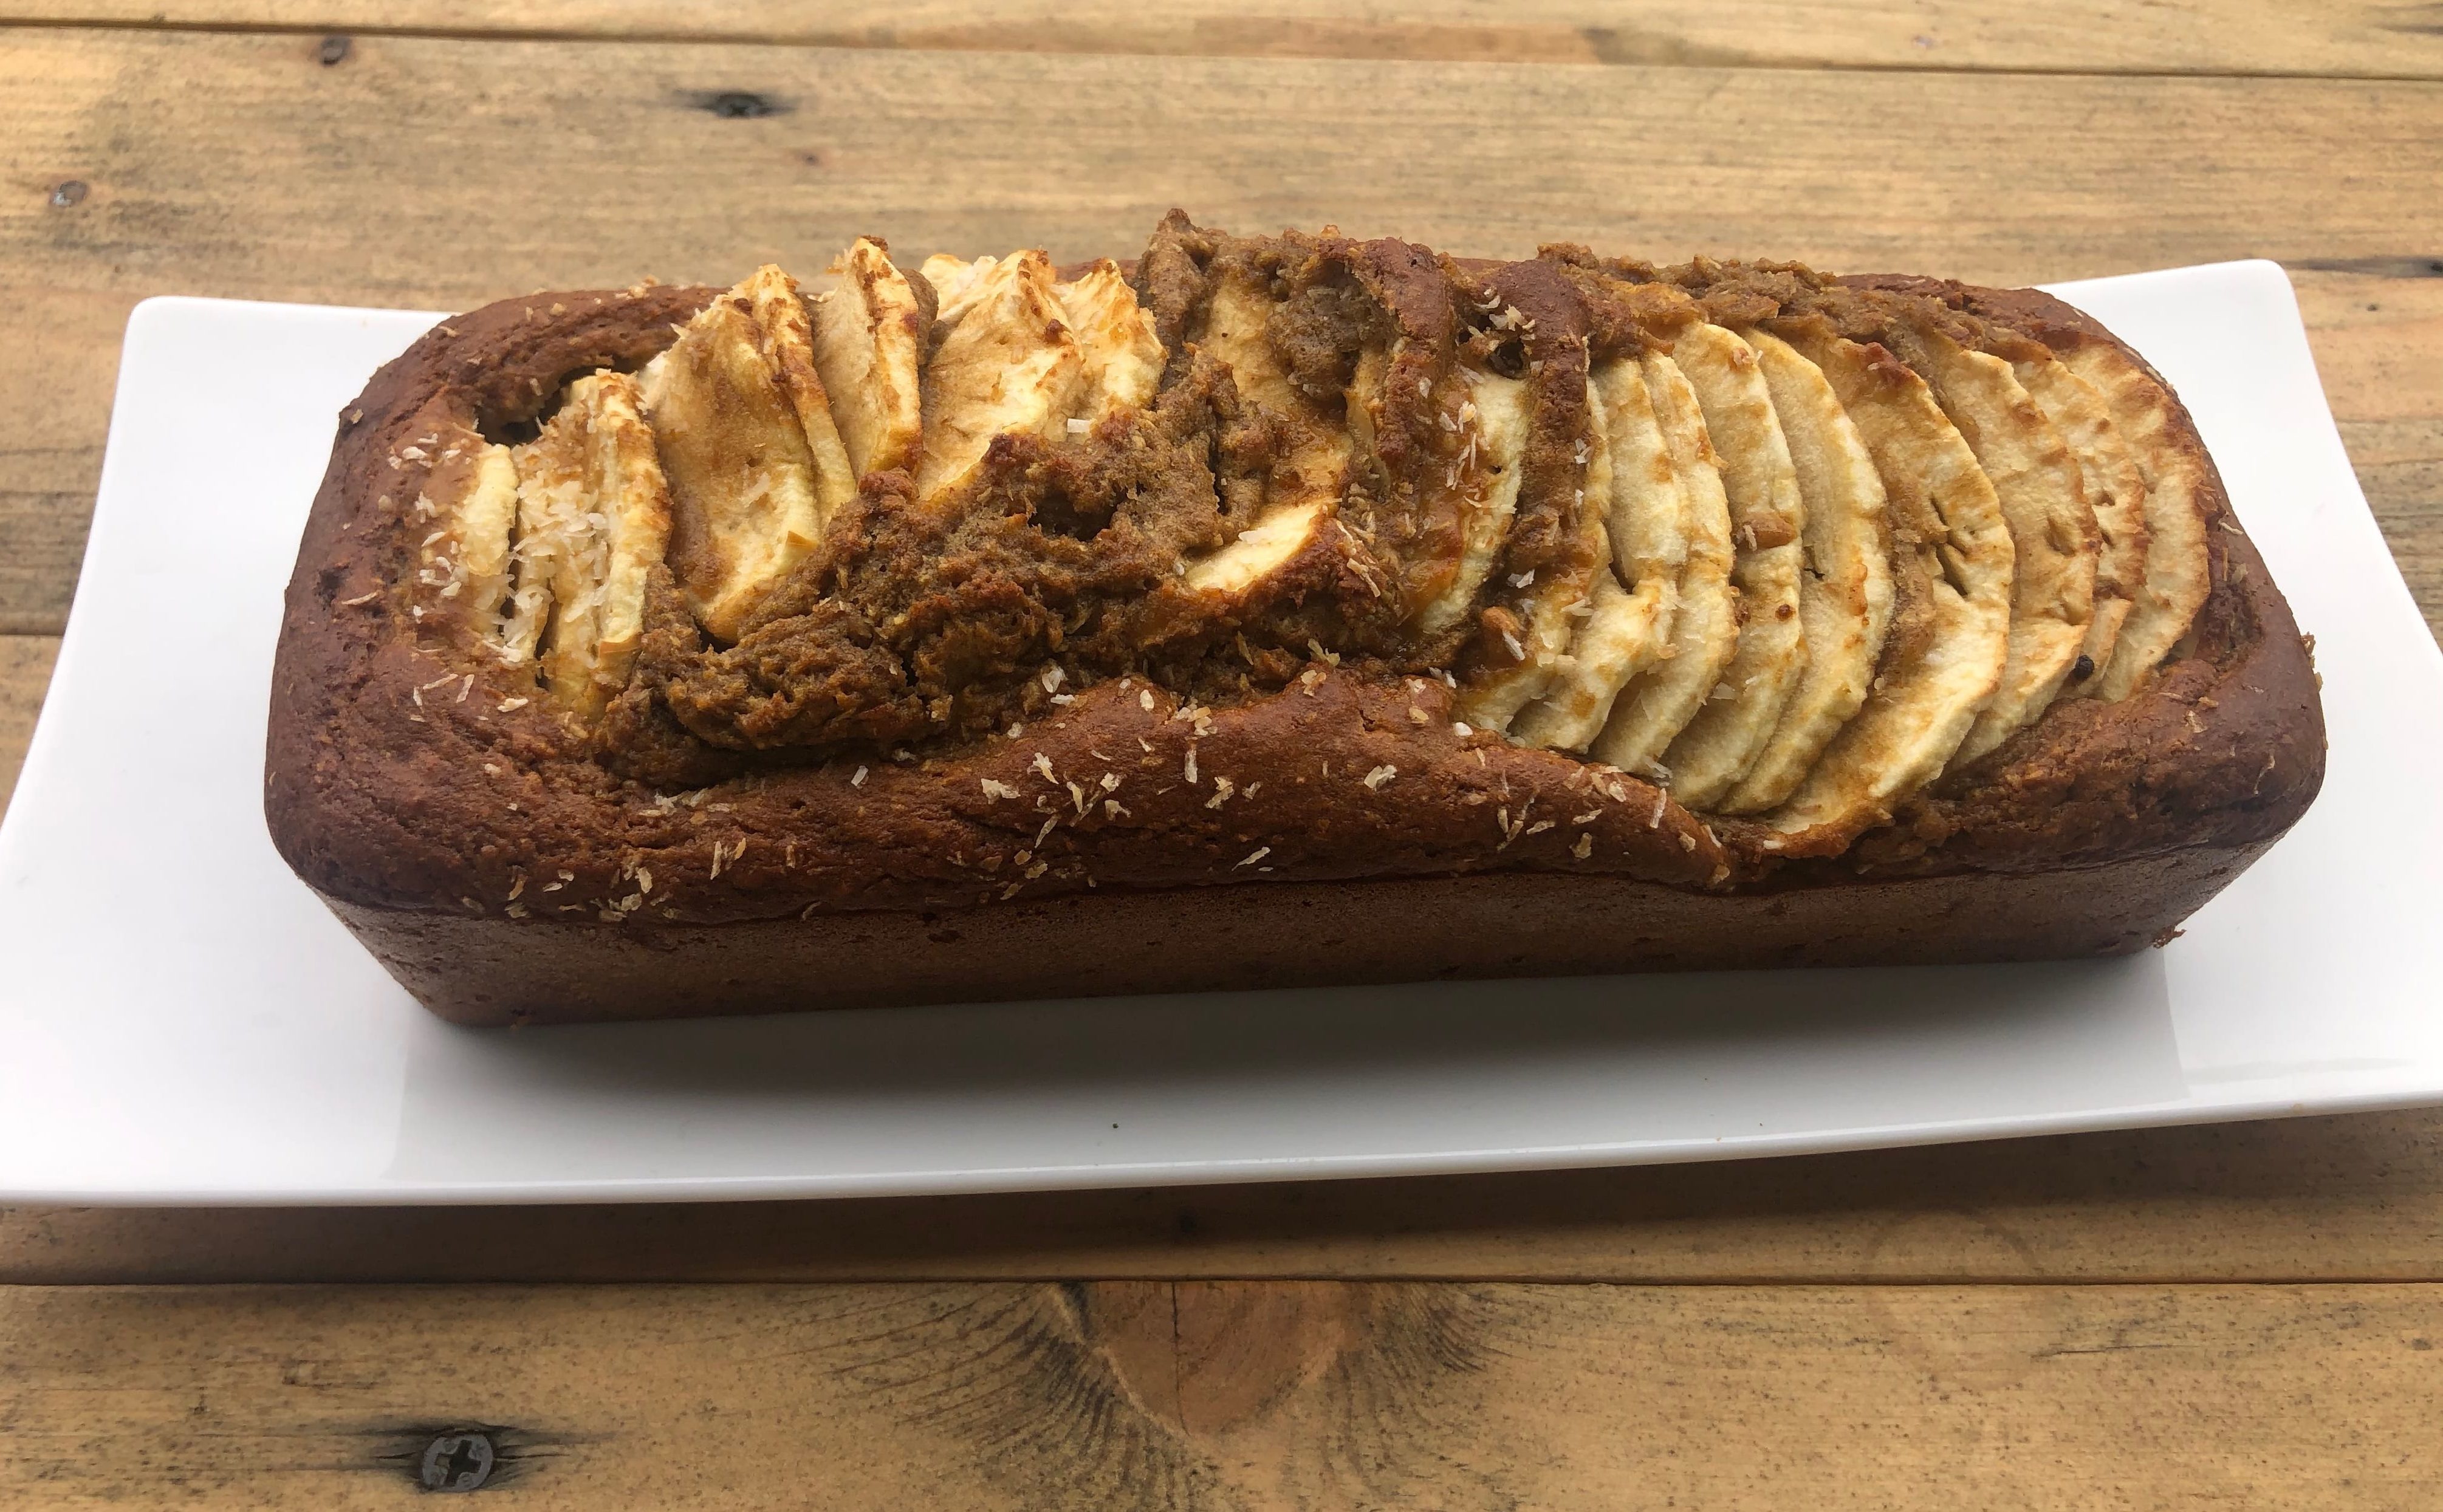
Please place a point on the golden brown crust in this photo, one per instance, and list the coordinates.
(1057, 718)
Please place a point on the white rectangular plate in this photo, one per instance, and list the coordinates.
(184, 1022)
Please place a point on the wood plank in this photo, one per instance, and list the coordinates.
(25, 672)
(2354, 1198)
(2086, 36)
(51, 460)
(433, 173)
(1229, 1394)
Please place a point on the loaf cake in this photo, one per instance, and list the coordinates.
(1265, 610)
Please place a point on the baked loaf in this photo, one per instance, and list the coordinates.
(1267, 610)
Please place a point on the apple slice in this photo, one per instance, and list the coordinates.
(1301, 497)
(1844, 595)
(1560, 602)
(1123, 358)
(869, 347)
(1948, 635)
(2116, 491)
(1237, 570)
(1655, 706)
(1730, 733)
(1006, 364)
(1318, 448)
(2177, 577)
(788, 338)
(751, 490)
(593, 516)
(1643, 508)
(1120, 357)
(2053, 537)
(466, 508)
(1492, 421)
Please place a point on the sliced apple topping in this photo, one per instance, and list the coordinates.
(593, 516)
(1557, 602)
(1844, 593)
(1800, 577)
(2177, 579)
(1492, 421)
(466, 509)
(1655, 706)
(1310, 477)
(1615, 630)
(1951, 558)
(2053, 538)
(750, 496)
(869, 348)
(1648, 512)
(2116, 491)
(953, 280)
(788, 339)
(1739, 715)
(1123, 356)
(1260, 551)
(1006, 363)
(1642, 509)
(1317, 448)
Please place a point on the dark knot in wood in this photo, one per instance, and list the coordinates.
(739, 104)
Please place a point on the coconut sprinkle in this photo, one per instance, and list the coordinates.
(1375, 779)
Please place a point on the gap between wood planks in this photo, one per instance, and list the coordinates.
(2201, 38)
(1452, 44)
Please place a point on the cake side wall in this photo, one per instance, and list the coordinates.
(491, 971)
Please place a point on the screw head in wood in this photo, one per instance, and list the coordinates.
(458, 1462)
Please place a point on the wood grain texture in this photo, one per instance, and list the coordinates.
(25, 673)
(1203, 1395)
(2376, 40)
(425, 173)
(2316, 1199)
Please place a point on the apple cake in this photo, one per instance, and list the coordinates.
(1266, 610)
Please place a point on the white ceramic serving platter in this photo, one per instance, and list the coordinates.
(183, 1022)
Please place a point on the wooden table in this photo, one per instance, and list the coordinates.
(2228, 1316)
